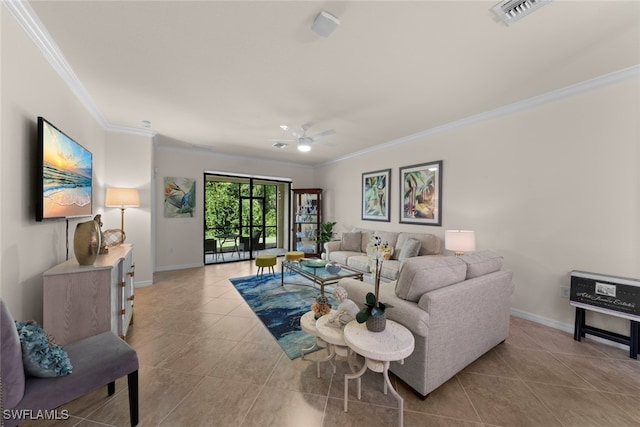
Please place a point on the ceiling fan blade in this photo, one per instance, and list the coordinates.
(323, 134)
(305, 127)
(290, 130)
(282, 140)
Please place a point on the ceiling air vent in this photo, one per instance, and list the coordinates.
(511, 11)
(279, 145)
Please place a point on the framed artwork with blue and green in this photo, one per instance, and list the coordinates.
(421, 194)
(179, 197)
(375, 195)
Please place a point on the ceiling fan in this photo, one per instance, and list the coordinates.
(304, 141)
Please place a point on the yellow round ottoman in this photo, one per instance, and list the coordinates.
(263, 261)
(293, 255)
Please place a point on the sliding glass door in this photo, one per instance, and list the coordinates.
(244, 216)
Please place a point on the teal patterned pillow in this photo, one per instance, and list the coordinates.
(41, 357)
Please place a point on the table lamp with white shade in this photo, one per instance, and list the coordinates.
(460, 241)
(122, 198)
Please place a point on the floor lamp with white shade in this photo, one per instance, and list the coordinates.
(122, 198)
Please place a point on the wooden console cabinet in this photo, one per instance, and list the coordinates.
(82, 301)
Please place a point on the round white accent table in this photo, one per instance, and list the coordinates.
(308, 324)
(395, 343)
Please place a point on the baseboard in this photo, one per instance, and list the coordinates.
(143, 284)
(180, 267)
(561, 326)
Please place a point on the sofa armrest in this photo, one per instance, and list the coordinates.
(332, 245)
(407, 313)
(468, 318)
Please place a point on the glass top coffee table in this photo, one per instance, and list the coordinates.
(317, 274)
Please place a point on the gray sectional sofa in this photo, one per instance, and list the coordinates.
(351, 250)
(457, 308)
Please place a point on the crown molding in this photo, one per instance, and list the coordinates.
(546, 98)
(26, 17)
(28, 20)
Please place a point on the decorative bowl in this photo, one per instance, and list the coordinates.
(313, 262)
(333, 267)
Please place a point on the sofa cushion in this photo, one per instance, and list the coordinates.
(359, 262)
(481, 263)
(365, 235)
(429, 244)
(342, 256)
(351, 241)
(409, 249)
(11, 368)
(425, 273)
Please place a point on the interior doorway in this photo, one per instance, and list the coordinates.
(244, 216)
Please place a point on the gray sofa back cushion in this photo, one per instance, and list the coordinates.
(423, 274)
(351, 241)
(11, 368)
(481, 263)
(429, 244)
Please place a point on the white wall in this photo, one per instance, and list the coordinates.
(179, 241)
(128, 164)
(554, 189)
(31, 88)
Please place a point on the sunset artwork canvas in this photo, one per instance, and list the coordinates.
(66, 175)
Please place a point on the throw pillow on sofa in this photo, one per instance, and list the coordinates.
(41, 357)
(351, 241)
(410, 248)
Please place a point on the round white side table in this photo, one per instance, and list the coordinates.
(395, 343)
(308, 324)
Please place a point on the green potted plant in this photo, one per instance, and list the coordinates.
(325, 234)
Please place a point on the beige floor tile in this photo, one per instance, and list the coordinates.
(626, 403)
(417, 419)
(160, 391)
(372, 389)
(299, 375)
(539, 366)
(152, 352)
(559, 341)
(579, 407)
(199, 356)
(249, 361)
(448, 400)
(231, 328)
(61, 422)
(360, 414)
(505, 401)
(243, 310)
(214, 402)
(615, 376)
(491, 364)
(88, 403)
(286, 409)
(220, 306)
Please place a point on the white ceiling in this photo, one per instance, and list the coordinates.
(228, 74)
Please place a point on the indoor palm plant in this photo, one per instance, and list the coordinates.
(325, 234)
(373, 312)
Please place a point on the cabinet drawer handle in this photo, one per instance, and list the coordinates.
(122, 312)
(131, 298)
(123, 284)
(131, 273)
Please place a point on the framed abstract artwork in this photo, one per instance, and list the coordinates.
(421, 194)
(375, 195)
(179, 197)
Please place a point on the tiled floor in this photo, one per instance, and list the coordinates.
(206, 360)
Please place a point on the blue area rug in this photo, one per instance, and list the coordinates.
(280, 308)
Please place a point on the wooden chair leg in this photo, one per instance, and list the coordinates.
(132, 381)
(111, 388)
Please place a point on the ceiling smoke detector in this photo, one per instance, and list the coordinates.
(511, 11)
(279, 145)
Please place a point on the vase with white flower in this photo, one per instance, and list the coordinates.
(373, 312)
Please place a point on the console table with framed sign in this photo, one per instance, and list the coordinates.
(612, 295)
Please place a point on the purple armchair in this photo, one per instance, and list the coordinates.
(97, 361)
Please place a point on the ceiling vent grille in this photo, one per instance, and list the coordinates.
(511, 11)
(279, 145)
